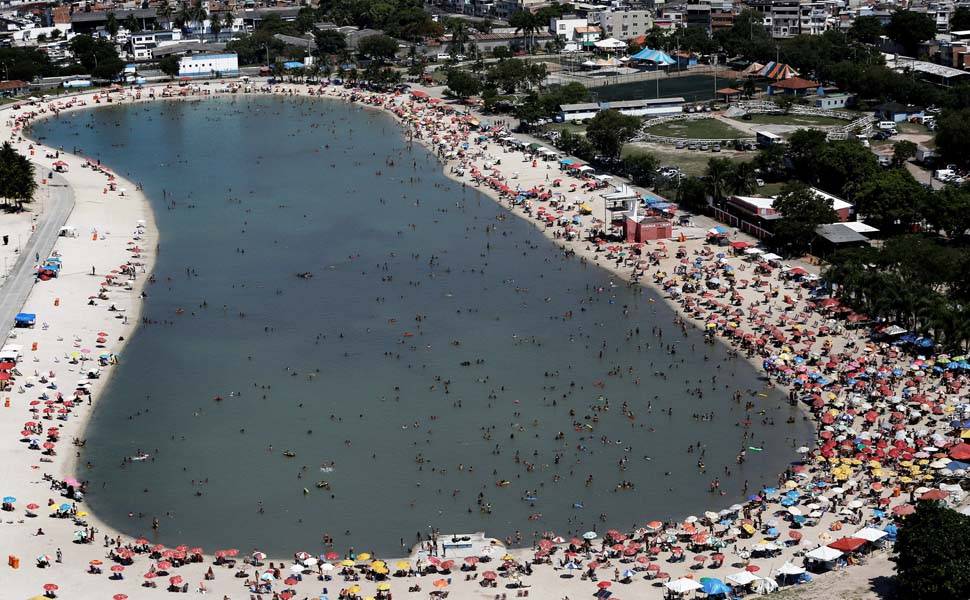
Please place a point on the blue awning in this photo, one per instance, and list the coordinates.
(566, 161)
(654, 56)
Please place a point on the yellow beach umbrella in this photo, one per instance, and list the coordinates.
(354, 589)
(378, 564)
(383, 587)
(347, 563)
(363, 557)
(403, 565)
(508, 557)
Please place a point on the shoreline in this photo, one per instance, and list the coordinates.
(447, 169)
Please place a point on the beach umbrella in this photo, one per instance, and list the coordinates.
(326, 567)
(120, 597)
(175, 579)
(9, 499)
(491, 575)
(603, 585)
(267, 576)
(164, 565)
(363, 557)
(331, 555)
(150, 575)
(714, 587)
(95, 562)
(117, 568)
(590, 535)
(50, 587)
(290, 581)
(347, 563)
(440, 583)
(402, 565)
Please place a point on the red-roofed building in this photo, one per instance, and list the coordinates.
(14, 87)
(793, 86)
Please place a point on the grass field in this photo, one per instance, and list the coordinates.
(690, 162)
(708, 129)
(806, 120)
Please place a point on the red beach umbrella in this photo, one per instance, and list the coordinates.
(752, 568)
(50, 587)
(331, 555)
(120, 597)
(603, 585)
(175, 579)
(150, 575)
(117, 568)
(290, 581)
(489, 575)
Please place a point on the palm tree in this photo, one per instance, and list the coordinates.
(741, 179)
(459, 34)
(716, 178)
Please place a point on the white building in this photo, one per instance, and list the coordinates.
(209, 65)
(565, 28)
(622, 23)
(143, 43)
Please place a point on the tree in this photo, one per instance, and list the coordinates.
(97, 57)
(462, 84)
(960, 20)
(329, 42)
(866, 29)
(215, 25)
(770, 162)
(903, 150)
(17, 181)
(169, 65)
(380, 48)
(949, 211)
(891, 200)
(716, 178)
(802, 211)
(529, 24)
(131, 23)
(641, 168)
(803, 149)
(909, 29)
(931, 553)
(609, 130)
(747, 37)
(742, 179)
(691, 194)
(953, 136)
(844, 165)
(509, 75)
(111, 25)
(458, 29)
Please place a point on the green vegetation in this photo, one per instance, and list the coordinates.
(795, 119)
(931, 554)
(708, 129)
(609, 130)
(17, 183)
(803, 211)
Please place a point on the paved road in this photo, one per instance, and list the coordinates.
(19, 281)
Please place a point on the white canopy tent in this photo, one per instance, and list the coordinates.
(610, 44)
(682, 585)
(824, 554)
(870, 534)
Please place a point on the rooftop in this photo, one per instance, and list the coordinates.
(838, 233)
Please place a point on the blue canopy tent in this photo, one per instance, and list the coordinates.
(655, 56)
(25, 320)
(292, 64)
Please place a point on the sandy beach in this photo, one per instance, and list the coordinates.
(106, 268)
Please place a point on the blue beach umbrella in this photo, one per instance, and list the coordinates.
(715, 587)
(9, 500)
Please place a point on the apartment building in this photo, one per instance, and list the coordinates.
(622, 23)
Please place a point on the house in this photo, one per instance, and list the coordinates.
(760, 211)
(794, 86)
(834, 101)
(13, 87)
(899, 113)
(836, 236)
(587, 35)
(89, 22)
(141, 45)
(565, 27)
